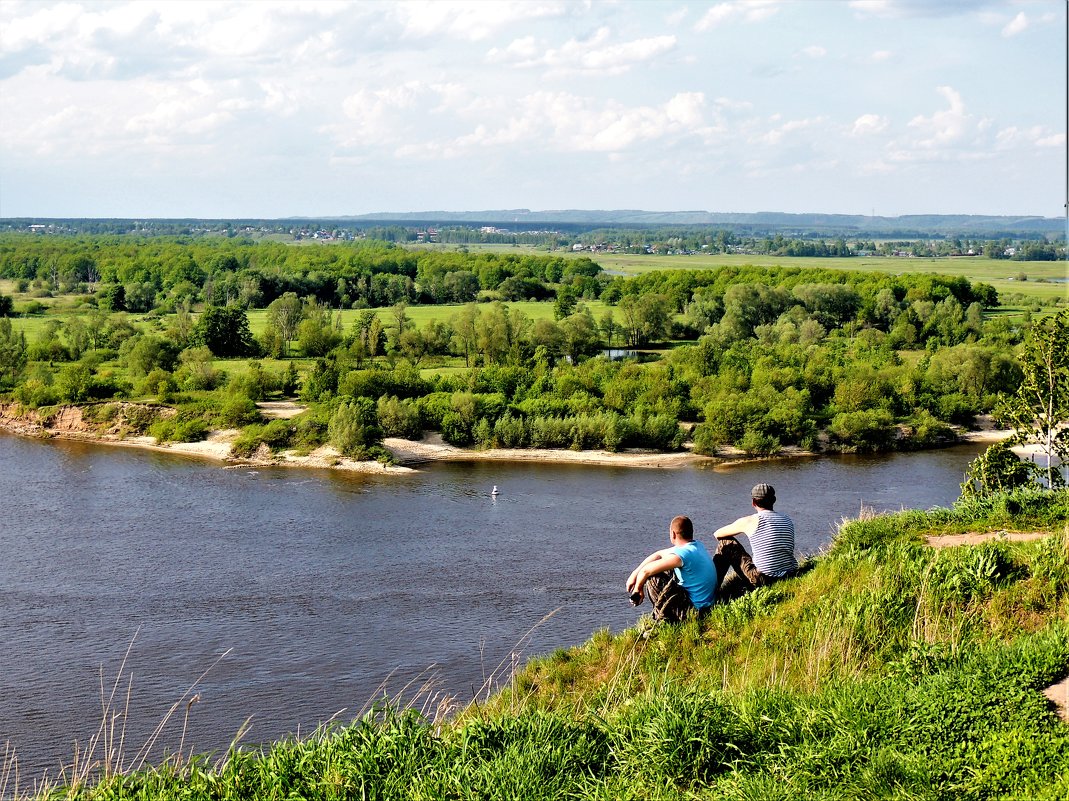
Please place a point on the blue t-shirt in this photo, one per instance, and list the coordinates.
(697, 574)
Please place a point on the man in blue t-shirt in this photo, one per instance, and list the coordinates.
(677, 579)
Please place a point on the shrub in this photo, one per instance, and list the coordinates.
(864, 431)
(255, 384)
(399, 418)
(140, 417)
(159, 384)
(997, 469)
(550, 432)
(510, 432)
(754, 443)
(237, 412)
(276, 435)
(178, 430)
(354, 428)
(706, 441)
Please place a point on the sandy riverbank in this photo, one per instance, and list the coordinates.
(68, 423)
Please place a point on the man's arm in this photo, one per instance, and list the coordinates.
(657, 562)
(744, 525)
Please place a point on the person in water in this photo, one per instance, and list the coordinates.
(771, 536)
(678, 580)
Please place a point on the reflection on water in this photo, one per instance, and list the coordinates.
(325, 588)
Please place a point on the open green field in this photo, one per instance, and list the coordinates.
(1045, 283)
(421, 315)
(1003, 275)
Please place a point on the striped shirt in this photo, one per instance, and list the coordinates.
(772, 544)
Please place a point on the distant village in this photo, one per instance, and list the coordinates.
(666, 241)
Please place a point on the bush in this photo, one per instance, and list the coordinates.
(399, 418)
(865, 431)
(403, 382)
(255, 384)
(276, 435)
(550, 432)
(354, 428)
(706, 442)
(159, 384)
(510, 432)
(176, 430)
(140, 418)
(239, 411)
(927, 431)
(754, 443)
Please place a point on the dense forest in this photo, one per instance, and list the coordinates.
(745, 357)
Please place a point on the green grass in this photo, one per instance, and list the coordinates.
(1001, 274)
(421, 315)
(888, 669)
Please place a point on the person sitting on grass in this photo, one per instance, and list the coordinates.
(771, 536)
(679, 579)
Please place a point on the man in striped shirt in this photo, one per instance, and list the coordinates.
(771, 536)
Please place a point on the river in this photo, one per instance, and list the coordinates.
(322, 590)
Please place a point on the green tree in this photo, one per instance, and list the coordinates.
(197, 370)
(317, 334)
(565, 304)
(354, 428)
(580, 334)
(143, 354)
(113, 297)
(12, 352)
(1039, 410)
(465, 337)
(284, 316)
(645, 318)
(225, 331)
(998, 469)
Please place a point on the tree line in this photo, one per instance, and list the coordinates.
(764, 357)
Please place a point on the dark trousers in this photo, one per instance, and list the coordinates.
(730, 553)
(669, 600)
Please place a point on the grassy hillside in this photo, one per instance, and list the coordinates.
(889, 669)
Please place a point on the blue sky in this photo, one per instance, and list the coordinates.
(234, 109)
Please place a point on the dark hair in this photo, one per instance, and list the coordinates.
(682, 527)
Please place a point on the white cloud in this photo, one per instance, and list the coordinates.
(564, 122)
(376, 117)
(776, 135)
(677, 16)
(1015, 25)
(353, 93)
(745, 10)
(1056, 140)
(899, 9)
(469, 20)
(1035, 136)
(594, 55)
(943, 127)
(868, 124)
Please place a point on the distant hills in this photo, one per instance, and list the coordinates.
(578, 221)
(972, 225)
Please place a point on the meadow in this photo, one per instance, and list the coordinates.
(1045, 286)
(1006, 276)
